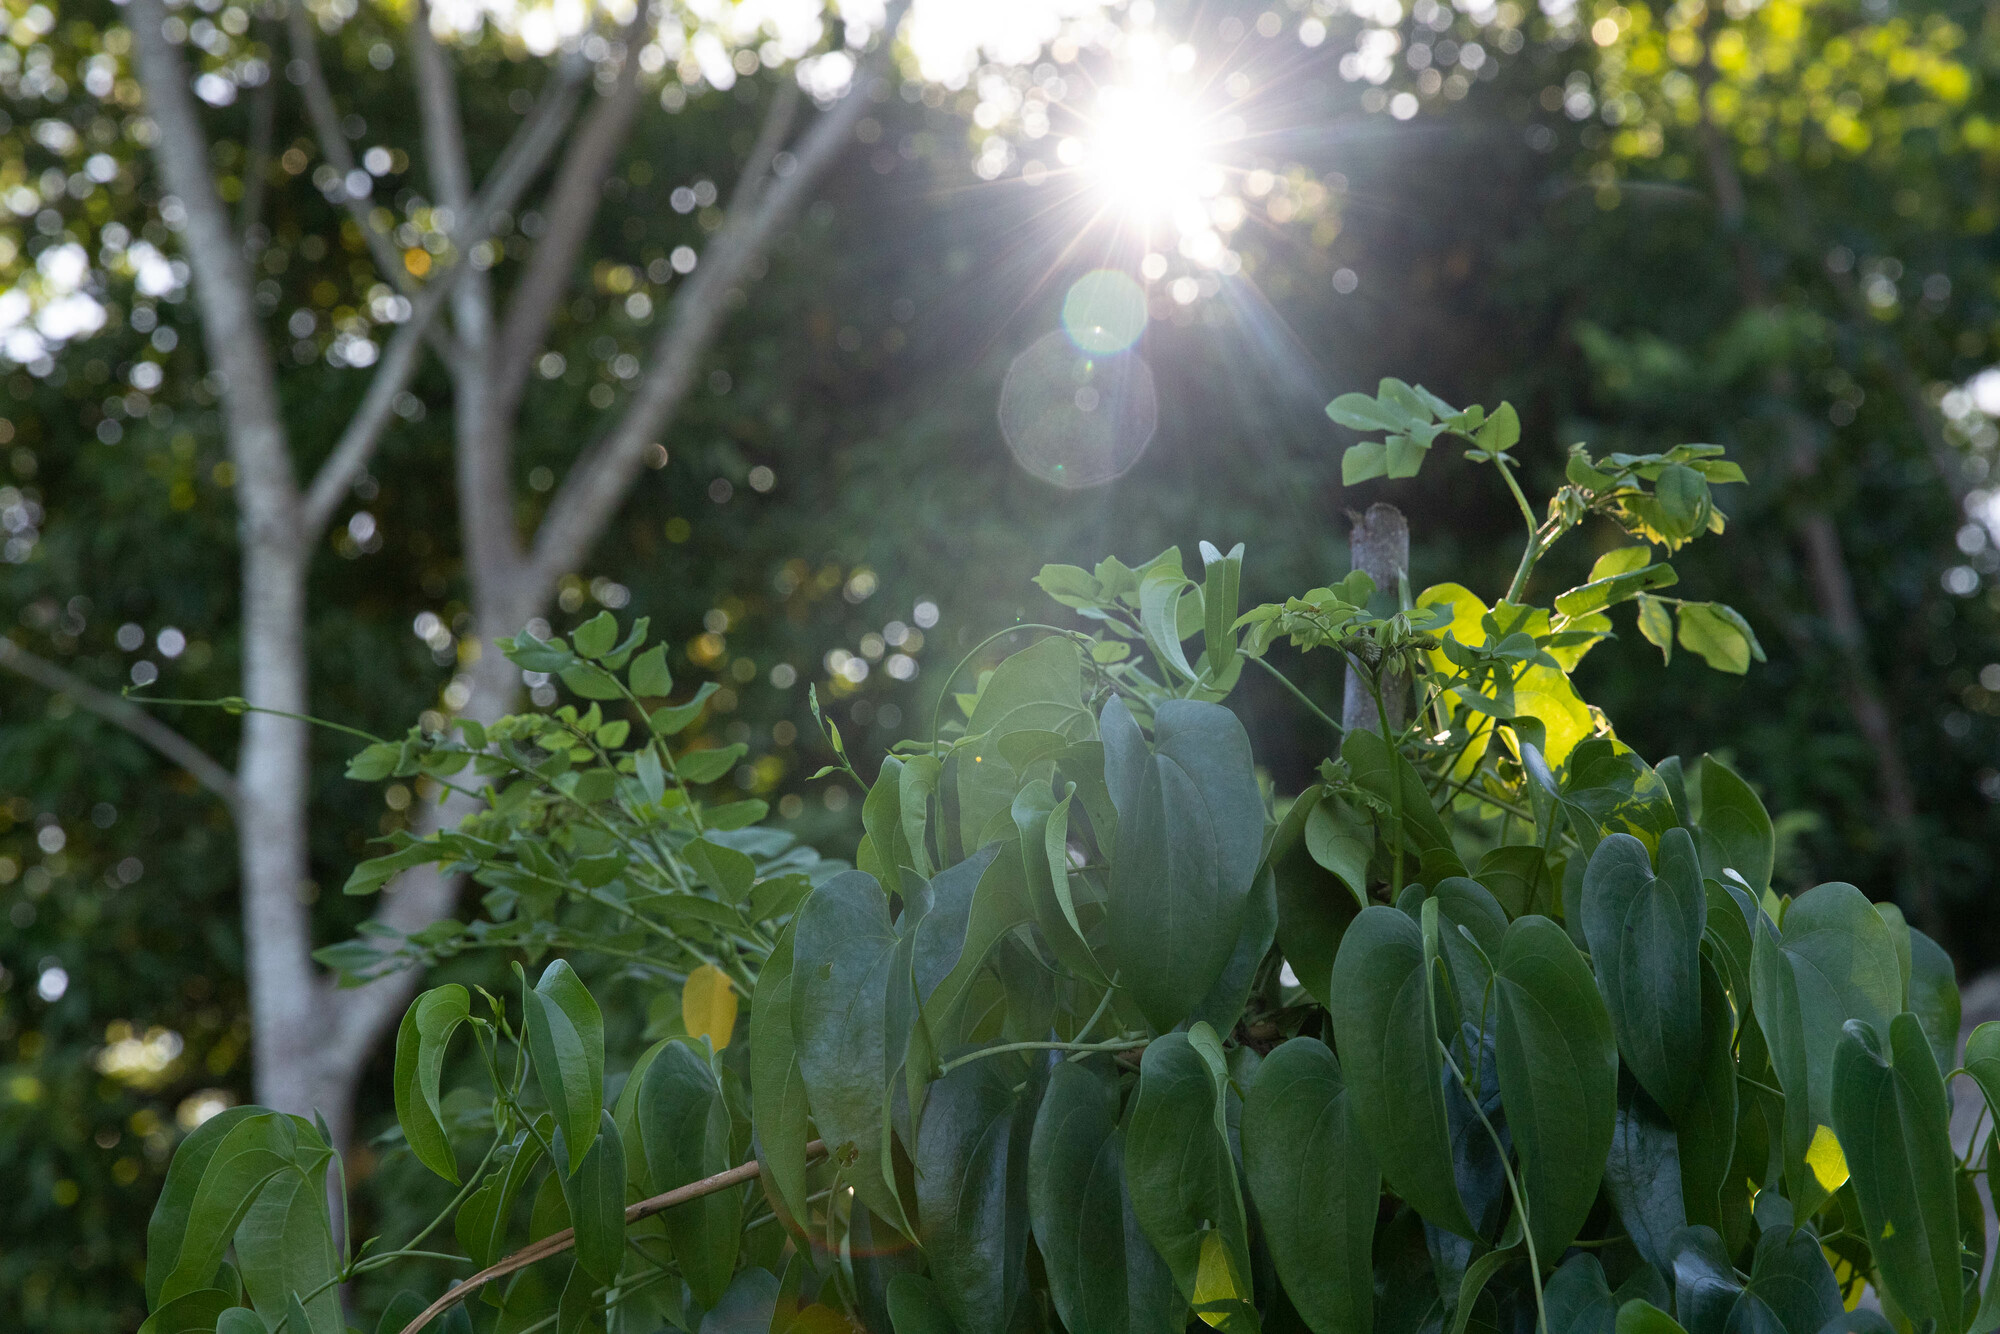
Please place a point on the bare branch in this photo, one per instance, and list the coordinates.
(257, 156)
(572, 205)
(596, 485)
(520, 163)
(771, 137)
(558, 1242)
(123, 713)
(437, 104)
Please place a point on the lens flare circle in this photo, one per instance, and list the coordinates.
(1076, 418)
(1104, 312)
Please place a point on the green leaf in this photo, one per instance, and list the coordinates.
(971, 1175)
(591, 682)
(1833, 962)
(725, 870)
(1341, 840)
(1314, 907)
(1656, 624)
(1789, 1275)
(1706, 1285)
(1577, 1300)
(1385, 1025)
(1160, 594)
(566, 1045)
(481, 1222)
(285, 1247)
(1638, 1317)
(917, 1307)
(673, 719)
(705, 766)
(1043, 824)
(1405, 455)
(596, 636)
(1501, 431)
(1104, 1276)
(1189, 842)
(1315, 1185)
(1735, 830)
(649, 675)
(1359, 412)
(595, 1193)
(1379, 771)
(917, 785)
(1720, 636)
(1620, 560)
(191, 1313)
(684, 1129)
(1645, 941)
(1705, 1129)
(1890, 1112)
(1071, 586)
(1558, 1076)
(1642, 1175)
(1613, 589)
(255, 1151)
(1933, 997)
(167, 1231)
(421, 1042)
(537, 655)
(844, 953)
(1182, 1178)
(1039, 689)
(882, 818)
(777, 1089)
(1220, 579)
(1363, 462)
(1681, 494)
(373, 763)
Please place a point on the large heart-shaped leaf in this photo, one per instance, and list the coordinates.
(1385, 1024)
(1558, 1076)
(1104, 1276)
(1183, 1179)
(971, 1175)
(1736, 832)
(1890, 1112)
(1642, 1175)
(1189, 841)
(1645, 942)
(1705, 1129)
(1039, 689)
(1315, 1185)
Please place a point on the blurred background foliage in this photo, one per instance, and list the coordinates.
(1768, 226)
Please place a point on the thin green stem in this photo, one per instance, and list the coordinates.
(1300, 695)
(458, 1199)
(1098, 1013)
(1513, 1186)
(1117, 1044)
(1527, 510)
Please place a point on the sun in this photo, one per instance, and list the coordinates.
(1146, 152)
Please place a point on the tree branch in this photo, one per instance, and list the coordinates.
(519, 164)
(597, 483)
(558, 1242)
(122, 713)
(571, 208)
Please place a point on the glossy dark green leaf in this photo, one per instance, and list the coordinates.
(1038, 689)
(1934, 997)
(1220, 579)
(1225, 1001)
(1189, 843)
(595, 1193)
(1182, 1177)
(1705, 1129)
(1471, 927)
(566, 1045)
(887, 849)
(916, 787)
(725, 871)
(750, 1306)
(1314, 906)
(1104, 1276)
(1727, 941)
(194, 1312)
(684, 1129)
(1558, 1076)
(1315, 1184)
(844, 952)
(1645, 943)
(284, 1247)
(1384, 774)
(1890, 1112)
(1385, 1027)
(705, 766)
(1341, 840)
(1735, 831)
(1578, 1300)
(916, 1306)
(1043, 825)
(1517, 875)
(1833, 961)
(1792, 1279)
(777, 1088)
(255, 1151)
(167, 1231)
(1639, 1317)
(421, 1042)
(971, 1177)
(1643, 1176)
(1706, 1284)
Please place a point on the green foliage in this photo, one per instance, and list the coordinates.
(1065, 999)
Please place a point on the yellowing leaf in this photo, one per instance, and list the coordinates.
(1828, 1162)
(708, 1005)
(1217, 1290)
(1539, 692)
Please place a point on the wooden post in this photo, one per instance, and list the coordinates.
(1380, 545)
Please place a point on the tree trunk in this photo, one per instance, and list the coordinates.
(1379, 546)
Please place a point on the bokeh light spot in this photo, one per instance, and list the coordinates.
(1077, 418)
(1105, 311)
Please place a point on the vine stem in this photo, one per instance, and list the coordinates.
(1513, 1186)
(1299, 694)
(1118, 1044)
(558, 1242)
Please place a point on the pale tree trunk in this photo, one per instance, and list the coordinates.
(1378, 546)
(311, 1040)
